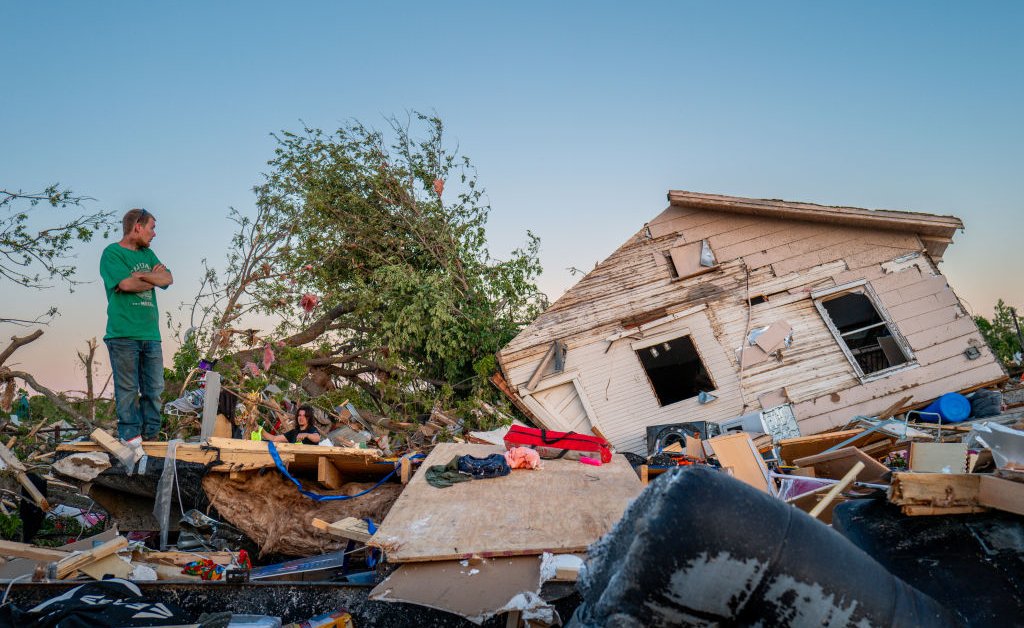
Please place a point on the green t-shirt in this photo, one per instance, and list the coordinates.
(129, 314)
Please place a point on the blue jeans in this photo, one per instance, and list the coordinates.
(138, 367)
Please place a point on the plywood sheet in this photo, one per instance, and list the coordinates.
(477, 590)
(563, 507)
(737, 452)
(835, 464)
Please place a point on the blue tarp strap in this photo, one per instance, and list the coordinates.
(310, 494)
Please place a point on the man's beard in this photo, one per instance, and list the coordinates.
(143, 244)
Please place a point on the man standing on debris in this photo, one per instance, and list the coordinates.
(130, 272)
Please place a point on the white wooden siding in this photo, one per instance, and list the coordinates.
(783, 259)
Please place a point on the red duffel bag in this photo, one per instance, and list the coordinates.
(521, 436)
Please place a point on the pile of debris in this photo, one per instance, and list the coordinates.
(498, 526)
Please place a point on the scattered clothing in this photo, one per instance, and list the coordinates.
(462, 468)
(492, 466)
(443, 476)
(522, 458)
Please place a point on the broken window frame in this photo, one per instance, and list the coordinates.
(863, 287)
(670, 336)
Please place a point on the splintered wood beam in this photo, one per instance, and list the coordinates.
(347, 528)
(538, 373)
(113, 446)
(328, 474)
(935, 493)
(68, 566)
(405, 472)
(108, 565)
(1002, 494)
(10, 461)
(32, 552)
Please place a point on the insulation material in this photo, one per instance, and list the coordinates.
(83, 466)
(270, 510)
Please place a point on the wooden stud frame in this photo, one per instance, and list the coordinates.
(863, 287)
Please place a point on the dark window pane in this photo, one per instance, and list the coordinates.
(675, 370)
(851, 311)
(871, 344)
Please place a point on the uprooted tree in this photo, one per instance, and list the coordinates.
(369, 251)
(30, 256)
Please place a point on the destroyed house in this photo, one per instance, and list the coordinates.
(747, 313)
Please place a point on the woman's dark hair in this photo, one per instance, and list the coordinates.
(309, 413)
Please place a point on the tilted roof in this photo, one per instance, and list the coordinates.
(936, 231)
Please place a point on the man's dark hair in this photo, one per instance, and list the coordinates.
(133, 217)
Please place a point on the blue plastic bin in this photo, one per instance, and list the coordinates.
(952, 407)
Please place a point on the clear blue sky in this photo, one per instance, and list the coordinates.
(579, 116)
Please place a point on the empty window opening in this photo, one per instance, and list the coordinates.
(675, 370)
(870, 340)
(759, 299)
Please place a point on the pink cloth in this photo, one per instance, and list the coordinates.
(522, 458)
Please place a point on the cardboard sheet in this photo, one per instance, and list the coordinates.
(938, 457)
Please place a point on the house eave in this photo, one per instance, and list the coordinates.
(929, 225)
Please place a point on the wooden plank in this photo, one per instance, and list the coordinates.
(347, 528)
(563, 508)
(538, 373)
(938, 457)
(644, 477)
(10, 461)
(115, 447)
(245, 455)
(405, 470)
(111, 565)
(180, 559)
(847, 479)
(836, 464)
(936, 493)
(24, 550)
(790, 449)
(328, 474)
(1001, 494)
(738, 452)
(68, 566)
(912, 510)
(694, 448)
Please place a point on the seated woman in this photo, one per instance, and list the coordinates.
(303, 432)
